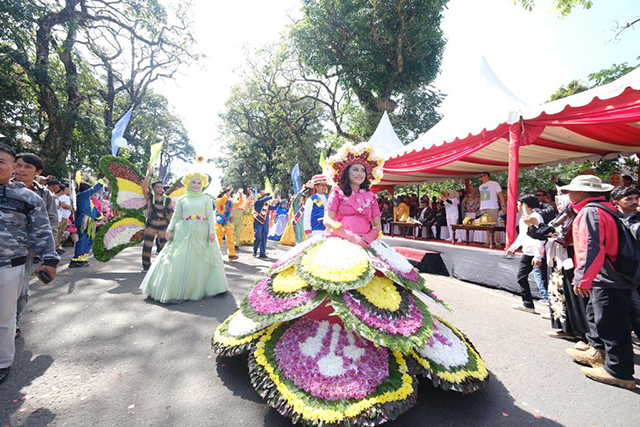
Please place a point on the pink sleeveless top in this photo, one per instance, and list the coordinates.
(356, 212)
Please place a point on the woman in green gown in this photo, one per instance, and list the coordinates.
(190, 266)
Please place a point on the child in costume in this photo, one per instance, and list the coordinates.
(224, 226)
(87, 216)
(261, 209)
(280, 220)
(247, 235)
(190, 266)
(159, 212)
(333, 328)
(314, 207)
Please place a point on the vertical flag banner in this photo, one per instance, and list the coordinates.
(118, 130)
(295, 178)
(267, 186)
(155, 152)
(322, 160)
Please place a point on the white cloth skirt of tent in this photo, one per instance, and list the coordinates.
(444, 232)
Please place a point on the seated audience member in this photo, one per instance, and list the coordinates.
(627, 181)
(616, 179)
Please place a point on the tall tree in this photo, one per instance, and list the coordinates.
(270, 123)
(382, 51)
(52, 42)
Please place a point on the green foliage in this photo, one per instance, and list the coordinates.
(386, 53)
(562, 7)
(68, 67)
(270, 123)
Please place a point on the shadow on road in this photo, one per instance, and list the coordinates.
(24, 371)
(491, 406)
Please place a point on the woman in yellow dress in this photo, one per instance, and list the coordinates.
(247, 233)
(289, 236)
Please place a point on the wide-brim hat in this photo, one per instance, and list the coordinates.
(588, 183)
(350, 154)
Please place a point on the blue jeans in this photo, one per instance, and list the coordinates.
(537, 276)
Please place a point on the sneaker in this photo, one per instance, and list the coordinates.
(592, 356)
(255, 253)
(144, 270)
(4, 373)
(521, 307)
(601, 375)
(60, 251)
(232, 257)
(263, 256)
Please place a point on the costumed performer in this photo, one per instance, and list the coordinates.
(280, 220)
(159, 212)
(288, 236)
(224, 227)
(261, 210)
(332, 329)
(87, 217)
(298, 215)
(247, 233)
(190, 266)
(236, 218)
(314, 207)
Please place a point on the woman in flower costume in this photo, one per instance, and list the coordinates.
(247, 232)
(190, 266)
(336, 333)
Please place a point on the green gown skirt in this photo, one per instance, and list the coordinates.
(190, 266)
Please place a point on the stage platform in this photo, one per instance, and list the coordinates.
(475, 264)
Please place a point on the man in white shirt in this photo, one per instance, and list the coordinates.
(451, 206)
(492, 199)
(65, 209)
(531, 256)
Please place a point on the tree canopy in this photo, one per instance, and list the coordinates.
(72, 68)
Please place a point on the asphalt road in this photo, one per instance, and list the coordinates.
(93, 352)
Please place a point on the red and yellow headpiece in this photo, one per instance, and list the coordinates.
(349, 154)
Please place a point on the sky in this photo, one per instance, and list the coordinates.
(532, 53)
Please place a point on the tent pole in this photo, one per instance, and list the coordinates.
(514, 166)
(467, 185)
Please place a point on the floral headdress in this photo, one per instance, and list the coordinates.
(349, 154)
(189, 177)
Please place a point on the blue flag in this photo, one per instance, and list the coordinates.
(118, 130)
(295, 178)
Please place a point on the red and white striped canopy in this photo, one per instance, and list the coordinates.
(597, 123)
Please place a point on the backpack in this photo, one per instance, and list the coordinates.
(627, 263)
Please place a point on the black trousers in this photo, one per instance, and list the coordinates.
(526, 267)
(610, 329)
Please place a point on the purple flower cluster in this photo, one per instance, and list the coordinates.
(361, 377)
(135, 203)
(402, 326)
(382, 264)
(262, 302)
(411, 275)
(437, 336)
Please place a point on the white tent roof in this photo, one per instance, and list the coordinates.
(481, 101)
(384, 139)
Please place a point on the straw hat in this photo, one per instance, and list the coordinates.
(588, 183)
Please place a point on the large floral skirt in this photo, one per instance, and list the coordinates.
(338, 334)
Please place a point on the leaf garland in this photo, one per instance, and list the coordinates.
(101, 253)
(465, 379)
(129, 172)
(284, 315)
(396, 342)
(393, 397)
(227, 345)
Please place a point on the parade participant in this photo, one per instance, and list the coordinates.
(224, 227)
(314, 207)
(66, 209)
(452, 208)
(288, 236)
(261, 209)
(595, 237)
(24, 227)
(237, 216)
(87, 217)
(298, 203)
(190, 266)
(159, 212)
(333, 326)
(247, 234)
(280, 221)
